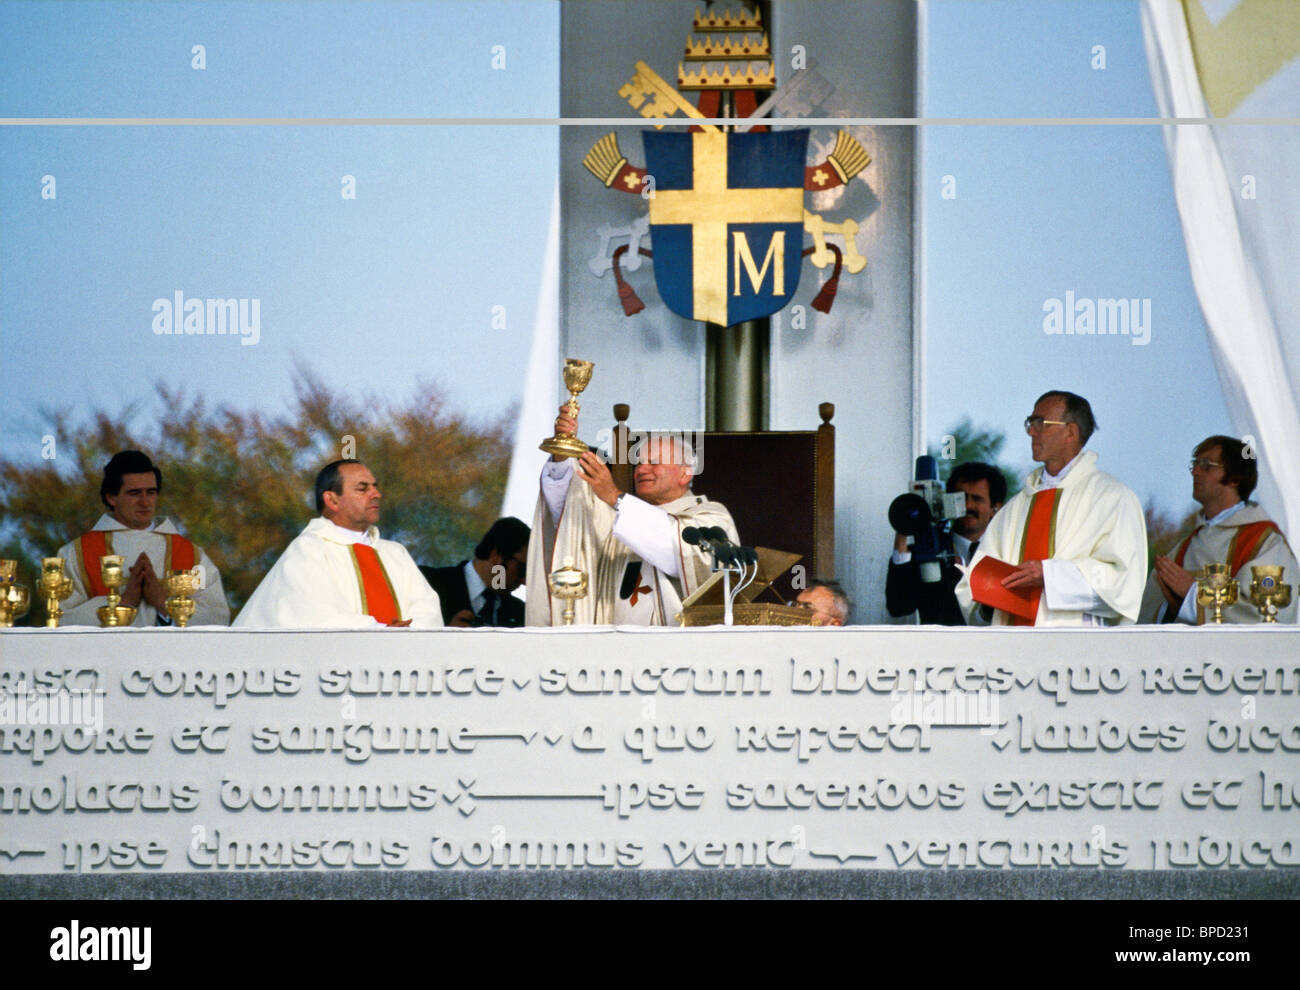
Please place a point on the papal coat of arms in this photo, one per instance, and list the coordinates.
(726, 207)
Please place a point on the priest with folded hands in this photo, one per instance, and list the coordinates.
(338, 573)
(149, 546)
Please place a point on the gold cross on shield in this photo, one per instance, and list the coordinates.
(708, 208)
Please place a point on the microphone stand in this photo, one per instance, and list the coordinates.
(718, 546)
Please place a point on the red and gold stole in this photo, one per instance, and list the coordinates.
(1039, 539)
(180, 556)
(377, 597)
(1245, 543)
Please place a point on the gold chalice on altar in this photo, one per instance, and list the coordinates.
(114, 614)
(577, 375)
(1267, 592)
(15, 599)
(1216, 588)
(54, 586)
(180, 586)
(568, 584)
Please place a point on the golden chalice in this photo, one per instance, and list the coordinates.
(15, 599)
(54, 586)
(180, 586)
(114, 614)
(1267, 592)
(577, 375)
(568, 584)
(1216, 588)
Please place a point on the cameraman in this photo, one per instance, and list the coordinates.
(985, 489)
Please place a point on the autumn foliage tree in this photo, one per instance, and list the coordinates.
(240, 483)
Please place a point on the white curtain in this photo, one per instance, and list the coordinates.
(541, 388)
(1236, 185)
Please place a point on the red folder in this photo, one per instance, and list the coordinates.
(986, 588)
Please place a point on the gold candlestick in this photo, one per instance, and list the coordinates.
(568, 584)
(54, 586)
(577, 375)
(1267, 592)
(180, 586)
(1216, 588)
(114, 614)
(15, 599)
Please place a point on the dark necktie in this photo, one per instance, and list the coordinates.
(487, 615)
(970, 554)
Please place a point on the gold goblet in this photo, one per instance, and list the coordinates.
(180, 586)
(1216, 588)
(568, 584)
(14, 598)
(1267, 592)
(114, 614)
(577, 375)
(54, 586)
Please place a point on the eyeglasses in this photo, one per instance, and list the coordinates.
(1033, 423)
(1203, 463)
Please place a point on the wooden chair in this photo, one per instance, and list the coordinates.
(778, 485)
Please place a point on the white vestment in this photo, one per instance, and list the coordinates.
(1099, 557)
(638, 550)
(210, 605)
(316, 585)
(1213, 545)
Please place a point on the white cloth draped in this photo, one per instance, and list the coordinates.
(1240, 208)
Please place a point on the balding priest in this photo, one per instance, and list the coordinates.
(338, 573)
(150, 547)
(1070, 549)
(639, 567)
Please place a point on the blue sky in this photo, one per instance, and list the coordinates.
(400, 283)
(450, 222)
(1040, 211)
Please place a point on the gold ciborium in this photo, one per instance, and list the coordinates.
(15, 599)
(54, 586)
(114, 613)
(577, 374)
(1216, 588)
(1267, 592)
(568, 584)
(180, 586)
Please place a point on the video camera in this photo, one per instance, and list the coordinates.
(926, 513)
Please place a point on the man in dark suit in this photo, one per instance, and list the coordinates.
(985, 489)
(477, 592)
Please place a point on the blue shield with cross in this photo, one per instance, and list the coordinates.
(726, 221)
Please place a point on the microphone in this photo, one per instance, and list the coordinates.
(713, 540)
